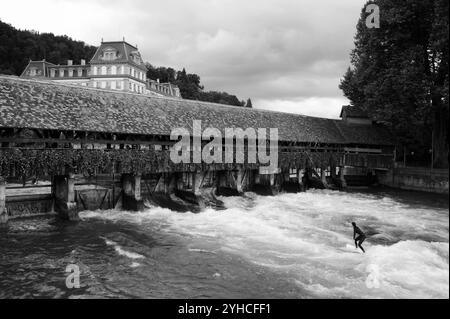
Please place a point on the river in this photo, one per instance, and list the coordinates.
(285, 246)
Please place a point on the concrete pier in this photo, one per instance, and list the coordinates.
(131, 197)
(342, 181)
(64, 197)
(3, 212)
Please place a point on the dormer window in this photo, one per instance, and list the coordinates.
(135, 57)
(109, 54)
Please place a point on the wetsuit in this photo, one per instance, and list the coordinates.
(360, 238)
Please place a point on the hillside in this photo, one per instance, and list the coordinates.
(17, 47)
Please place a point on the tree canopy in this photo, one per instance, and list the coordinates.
(399, 74)
(17, 47)
(190, 86)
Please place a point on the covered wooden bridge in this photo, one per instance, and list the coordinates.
(120, 142)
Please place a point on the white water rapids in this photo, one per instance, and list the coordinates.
(306, 239)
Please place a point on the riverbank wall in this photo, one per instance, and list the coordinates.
(415, 178)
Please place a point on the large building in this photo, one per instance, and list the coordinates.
(115, 65)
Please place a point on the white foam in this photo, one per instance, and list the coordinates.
(308, 238)
(122, 251)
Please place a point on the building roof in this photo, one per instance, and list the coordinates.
(124, 52)
(47, 105)
(353, 111)
(73, 66)
(38, 65)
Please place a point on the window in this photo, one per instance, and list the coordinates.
(113, 70)
(95, 70)
(109, 54)
(103, 84)
(103, 70)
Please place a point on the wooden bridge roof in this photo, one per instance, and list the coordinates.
(39, 104)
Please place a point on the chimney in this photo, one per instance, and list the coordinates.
(69, 62)
(83, 62)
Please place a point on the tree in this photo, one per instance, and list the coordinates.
(190, 86)
(249, 103)
(17, 47)
(399, 74)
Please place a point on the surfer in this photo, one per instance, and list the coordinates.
(360, 238)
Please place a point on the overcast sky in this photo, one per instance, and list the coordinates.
(287, 55)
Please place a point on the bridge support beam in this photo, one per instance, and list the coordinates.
(222, 178)
(342, 181)
(300, 175)
(198, 178)
(64, 197)
(333, 171)
(168, 183)
(3, 212)
(131, 199)
(239, 180)
(323, 177)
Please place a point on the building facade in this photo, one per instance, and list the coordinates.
(116, 65)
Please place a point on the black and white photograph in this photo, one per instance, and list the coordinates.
(236, 151)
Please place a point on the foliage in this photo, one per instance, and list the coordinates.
(399, 73)
(190, 86)
(17, 47)
(47, 162)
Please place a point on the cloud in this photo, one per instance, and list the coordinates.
(288, 55)
(314, 106)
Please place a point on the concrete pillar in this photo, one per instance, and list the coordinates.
(239, 180)
(342, 177)
(3, 212)
(323, 177)
(168, 183)
(198, 182)
(272, 179)
(64, 197)
(161, 184)
(300, 174)
(172, 183)
(131, 199)
(333, 171)
(221, 179)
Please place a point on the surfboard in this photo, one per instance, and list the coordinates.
(351, 249)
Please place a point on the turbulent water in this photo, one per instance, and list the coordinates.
(287, 246)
